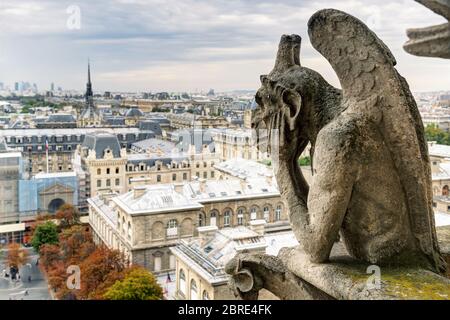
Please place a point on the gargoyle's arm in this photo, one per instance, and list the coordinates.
(331, 190)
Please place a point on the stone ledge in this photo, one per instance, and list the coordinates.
(345, 278)
(291, 275)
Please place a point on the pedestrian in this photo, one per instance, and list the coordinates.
(29, 278)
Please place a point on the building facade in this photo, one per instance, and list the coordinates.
(157, 216)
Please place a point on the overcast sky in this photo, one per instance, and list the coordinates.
(188, 45)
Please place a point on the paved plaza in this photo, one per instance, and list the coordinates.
(23, 289)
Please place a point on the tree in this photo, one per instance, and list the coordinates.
(97, 269)
(45, 233)
(138, 284)
(76, 244)
(304, 161)
(49, 254)
(434, 133)
(68, 216)
(17, 256)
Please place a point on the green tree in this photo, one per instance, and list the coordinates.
(434, 133)
(138, 284)
(45, 233)
(304, 161)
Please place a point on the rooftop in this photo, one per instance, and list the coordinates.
(243, 168)
(154, 199)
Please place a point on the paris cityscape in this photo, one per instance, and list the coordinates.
(132, 170)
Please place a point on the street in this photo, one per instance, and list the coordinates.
(36, 289)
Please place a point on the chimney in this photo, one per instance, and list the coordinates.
(258, 226)
(139, 191)
(202, 185)
(206, 233)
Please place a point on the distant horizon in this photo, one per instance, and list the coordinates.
(187, 45)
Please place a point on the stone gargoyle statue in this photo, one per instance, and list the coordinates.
(371, 182)
(431, 41)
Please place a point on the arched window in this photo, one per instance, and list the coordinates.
(99, 171)
(240, 217)
(201, 220)
(445, 190)
(278, 213)
(253, 214)
(123, 225)
(172, 224)
(205, 295)
(182, 282)
(227, 218)
(117, 170)
(129, 230)
(194, 292)
(212, 221)
(172, 228)
(266, 213)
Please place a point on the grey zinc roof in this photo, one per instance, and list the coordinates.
(150, 125)
(3, 146)
(155, 145)
(133, 112)
(100, 142)
(61, 118)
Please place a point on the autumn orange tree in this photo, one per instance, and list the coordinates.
(68, 216)
(76, 244)
(17, 256)
(99, 271)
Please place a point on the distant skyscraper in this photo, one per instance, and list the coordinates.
(52, 87)
(16, 86)
(1, 85)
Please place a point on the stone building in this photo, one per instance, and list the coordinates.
(190, 121)
(109, 168)
(148, 220)
(62, 144)
(237, 143)
(132, 116)
(200, 261)
(11, 171)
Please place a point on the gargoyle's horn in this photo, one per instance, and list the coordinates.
(285, 55)
(297, 42)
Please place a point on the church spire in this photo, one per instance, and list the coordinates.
(89, 94)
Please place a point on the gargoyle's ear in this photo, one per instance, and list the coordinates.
(292, 101)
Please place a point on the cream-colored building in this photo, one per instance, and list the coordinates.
(148, 220)
(237, 143)
(200, 261)
(110, 169)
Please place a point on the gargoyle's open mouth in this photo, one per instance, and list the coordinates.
(432, 41)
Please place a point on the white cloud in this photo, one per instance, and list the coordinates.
(155, 44)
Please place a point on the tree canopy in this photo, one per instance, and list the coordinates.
(17, 256)
(45, 233)
(434, 133)
(138, 284)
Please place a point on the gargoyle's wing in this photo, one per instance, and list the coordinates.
(372, 87)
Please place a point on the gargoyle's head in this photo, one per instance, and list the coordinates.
(276, 119)
(432, 41)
